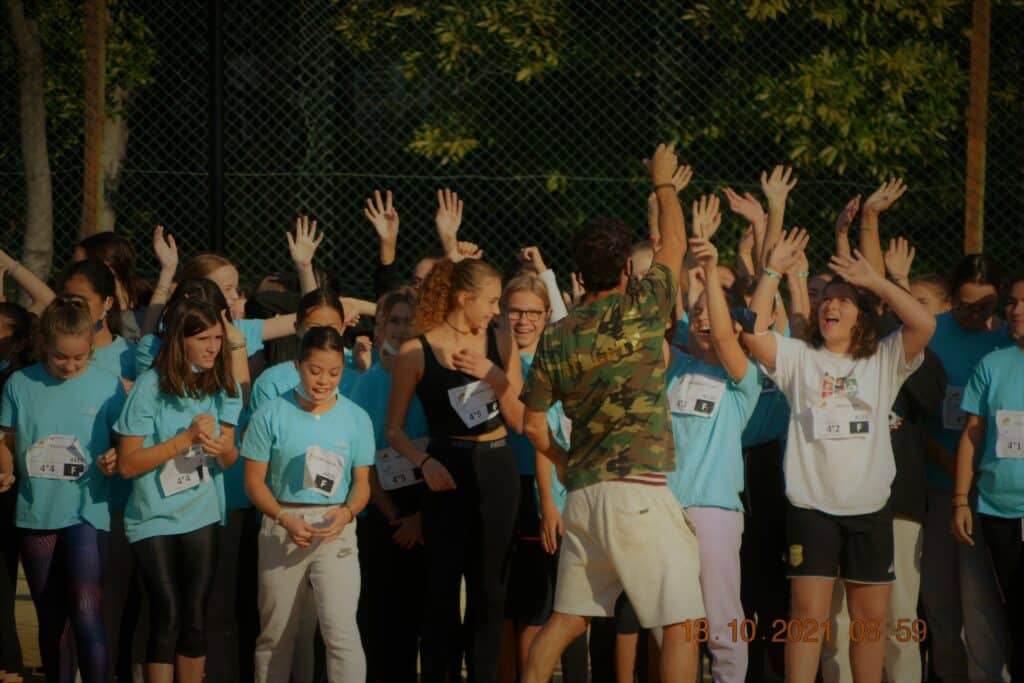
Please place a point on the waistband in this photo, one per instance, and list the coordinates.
(645, 478)
(472, 445)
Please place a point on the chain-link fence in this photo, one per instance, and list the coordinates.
(536, 111)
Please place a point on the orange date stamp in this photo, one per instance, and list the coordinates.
(805, 631)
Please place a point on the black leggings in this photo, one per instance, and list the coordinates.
(468, 532)
(177, 573)
(1003, 537)
(10, 648)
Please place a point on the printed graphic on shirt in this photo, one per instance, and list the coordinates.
(838, 386)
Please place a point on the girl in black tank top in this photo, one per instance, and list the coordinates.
(468, 378)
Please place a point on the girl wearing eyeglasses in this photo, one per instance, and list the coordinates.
(526, 305)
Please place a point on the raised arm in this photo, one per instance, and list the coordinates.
(532, 256)
(723, 331)
(880, 200)
(680, 179)
(448, 219)
(776, 188)
(384, 218)
(799, 297)
(747, 206)
(302, 246)
(38, 290)
(761, 342)
(166, 251)
(843, 222)
(918, 323)
(671, 223)
(898, 260)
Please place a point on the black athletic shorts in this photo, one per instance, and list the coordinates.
(857, 548)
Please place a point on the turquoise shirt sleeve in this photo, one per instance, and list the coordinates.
(252, 328)
(258, 438)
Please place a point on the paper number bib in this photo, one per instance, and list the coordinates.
(56, 457)
(696, 395)
(952, 416)
(1010, 434)
(839, 417)
(395, 471)
(475, 403)
(184, 471)
(324, 470)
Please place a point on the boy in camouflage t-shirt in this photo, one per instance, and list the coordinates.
(606, 363)
(623, 528)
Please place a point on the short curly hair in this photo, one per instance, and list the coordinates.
(601, 249)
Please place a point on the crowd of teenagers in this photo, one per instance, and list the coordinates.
(201, 479)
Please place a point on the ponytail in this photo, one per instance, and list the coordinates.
(445, 280)
(435, 297)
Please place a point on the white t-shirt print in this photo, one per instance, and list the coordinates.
(849, 468)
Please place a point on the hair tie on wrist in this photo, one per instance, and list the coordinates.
(661, 185)
(804, 274)
(773, 274)
(424, 461)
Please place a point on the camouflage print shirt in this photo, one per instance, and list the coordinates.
(605, 363)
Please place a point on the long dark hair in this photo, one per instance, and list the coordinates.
(102, 280)
(118, 254)
(192, 317)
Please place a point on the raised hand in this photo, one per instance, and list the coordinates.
(449, 217)
(704, 253)
(664, 164)
(746, 206)
(465, 250)
(383, 215)
(232, 335)
(885, 196)
(706, 216)
(531, 256)
(857, 270)
(845, 218)
(302, 245)
(788, 249)
(165, 249)
(899, 258)
(776, 186)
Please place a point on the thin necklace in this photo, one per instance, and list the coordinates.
(448, 323)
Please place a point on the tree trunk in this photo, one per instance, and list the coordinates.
(38, 247)
(95, 114)
(115, 144)
(977, 125)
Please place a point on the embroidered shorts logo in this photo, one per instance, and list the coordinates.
(796, 555)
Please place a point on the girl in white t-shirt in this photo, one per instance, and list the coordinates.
(840, 383)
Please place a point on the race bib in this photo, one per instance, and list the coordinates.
(475, 403)
(324, 470)
(952, 416)
(840, 417)
(696, 395)
(184, 471)
(56, 457)
(1010, 434)
(395, 471)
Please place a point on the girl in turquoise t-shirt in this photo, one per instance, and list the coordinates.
(57, 418)
(177, 438)
(307, 460)
(993, 437)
